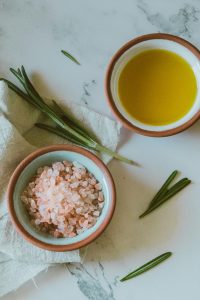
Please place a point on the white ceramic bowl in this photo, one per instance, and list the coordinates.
(27, 169)
(147, 42)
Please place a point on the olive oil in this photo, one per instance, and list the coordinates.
(157, 87)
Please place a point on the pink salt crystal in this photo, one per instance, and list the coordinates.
(59, 197)
(83, 194)
(56, 233)
(79, 231)
(37, 221)
(58, 166)
(78, 175)
(55, 172)
(96, 195)
(98, 186)
(84, 183)
(31, 185)
(67, 163)
(96, 213)
(78, 210)
(52, 181)
(24, 199)
(40, 170)
(92, 196)
(101, 198)
(74, 185)
(70, 228)
(49, 172)
(72, 234)
(101, 205)
(68, 169)
(33, 205)
(62, 199)
(85, 224)
(92, 181)
(72, 221)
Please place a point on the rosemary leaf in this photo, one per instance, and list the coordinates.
(71, 121)
(17, 74)
(151, 264)
(163, 189)
(62, 134)
(67, 54)
(29, 84)
(168, 195)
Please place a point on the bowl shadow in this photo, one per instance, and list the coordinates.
(127, 234)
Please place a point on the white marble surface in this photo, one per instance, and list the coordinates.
(32, 33)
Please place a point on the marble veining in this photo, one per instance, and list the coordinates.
(90, 285)
(179, 23)
(87, 90)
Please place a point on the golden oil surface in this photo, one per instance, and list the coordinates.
(157, 87)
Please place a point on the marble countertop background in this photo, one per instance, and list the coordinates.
(32, 33)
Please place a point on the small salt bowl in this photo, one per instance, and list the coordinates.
(27, 169)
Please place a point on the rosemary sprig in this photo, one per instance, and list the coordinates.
(70, 57)
(174, 190)
(74, 123)
(66, 126)
(58, 131)
(151, 264)
(165, 193)
(163, 188)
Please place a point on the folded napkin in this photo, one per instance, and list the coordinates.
(18, 138)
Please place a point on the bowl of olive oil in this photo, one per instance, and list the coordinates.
(152, 84)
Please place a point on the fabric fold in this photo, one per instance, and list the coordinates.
(18, 138)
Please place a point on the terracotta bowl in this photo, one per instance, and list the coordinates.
(146, 42)
(27, 169)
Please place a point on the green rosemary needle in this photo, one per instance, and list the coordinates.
(67, 54)
(151, 264)
(163, 188)
(165, 193)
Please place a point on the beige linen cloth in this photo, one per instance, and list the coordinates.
(19, 260)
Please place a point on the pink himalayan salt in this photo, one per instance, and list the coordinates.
(63, 199)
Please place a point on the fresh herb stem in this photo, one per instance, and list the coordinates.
(98, 148)
(67, 54)
(149, 265)
(66, 126)
(62, 134)
(71, 121)
(101, 148)
(166, 193)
